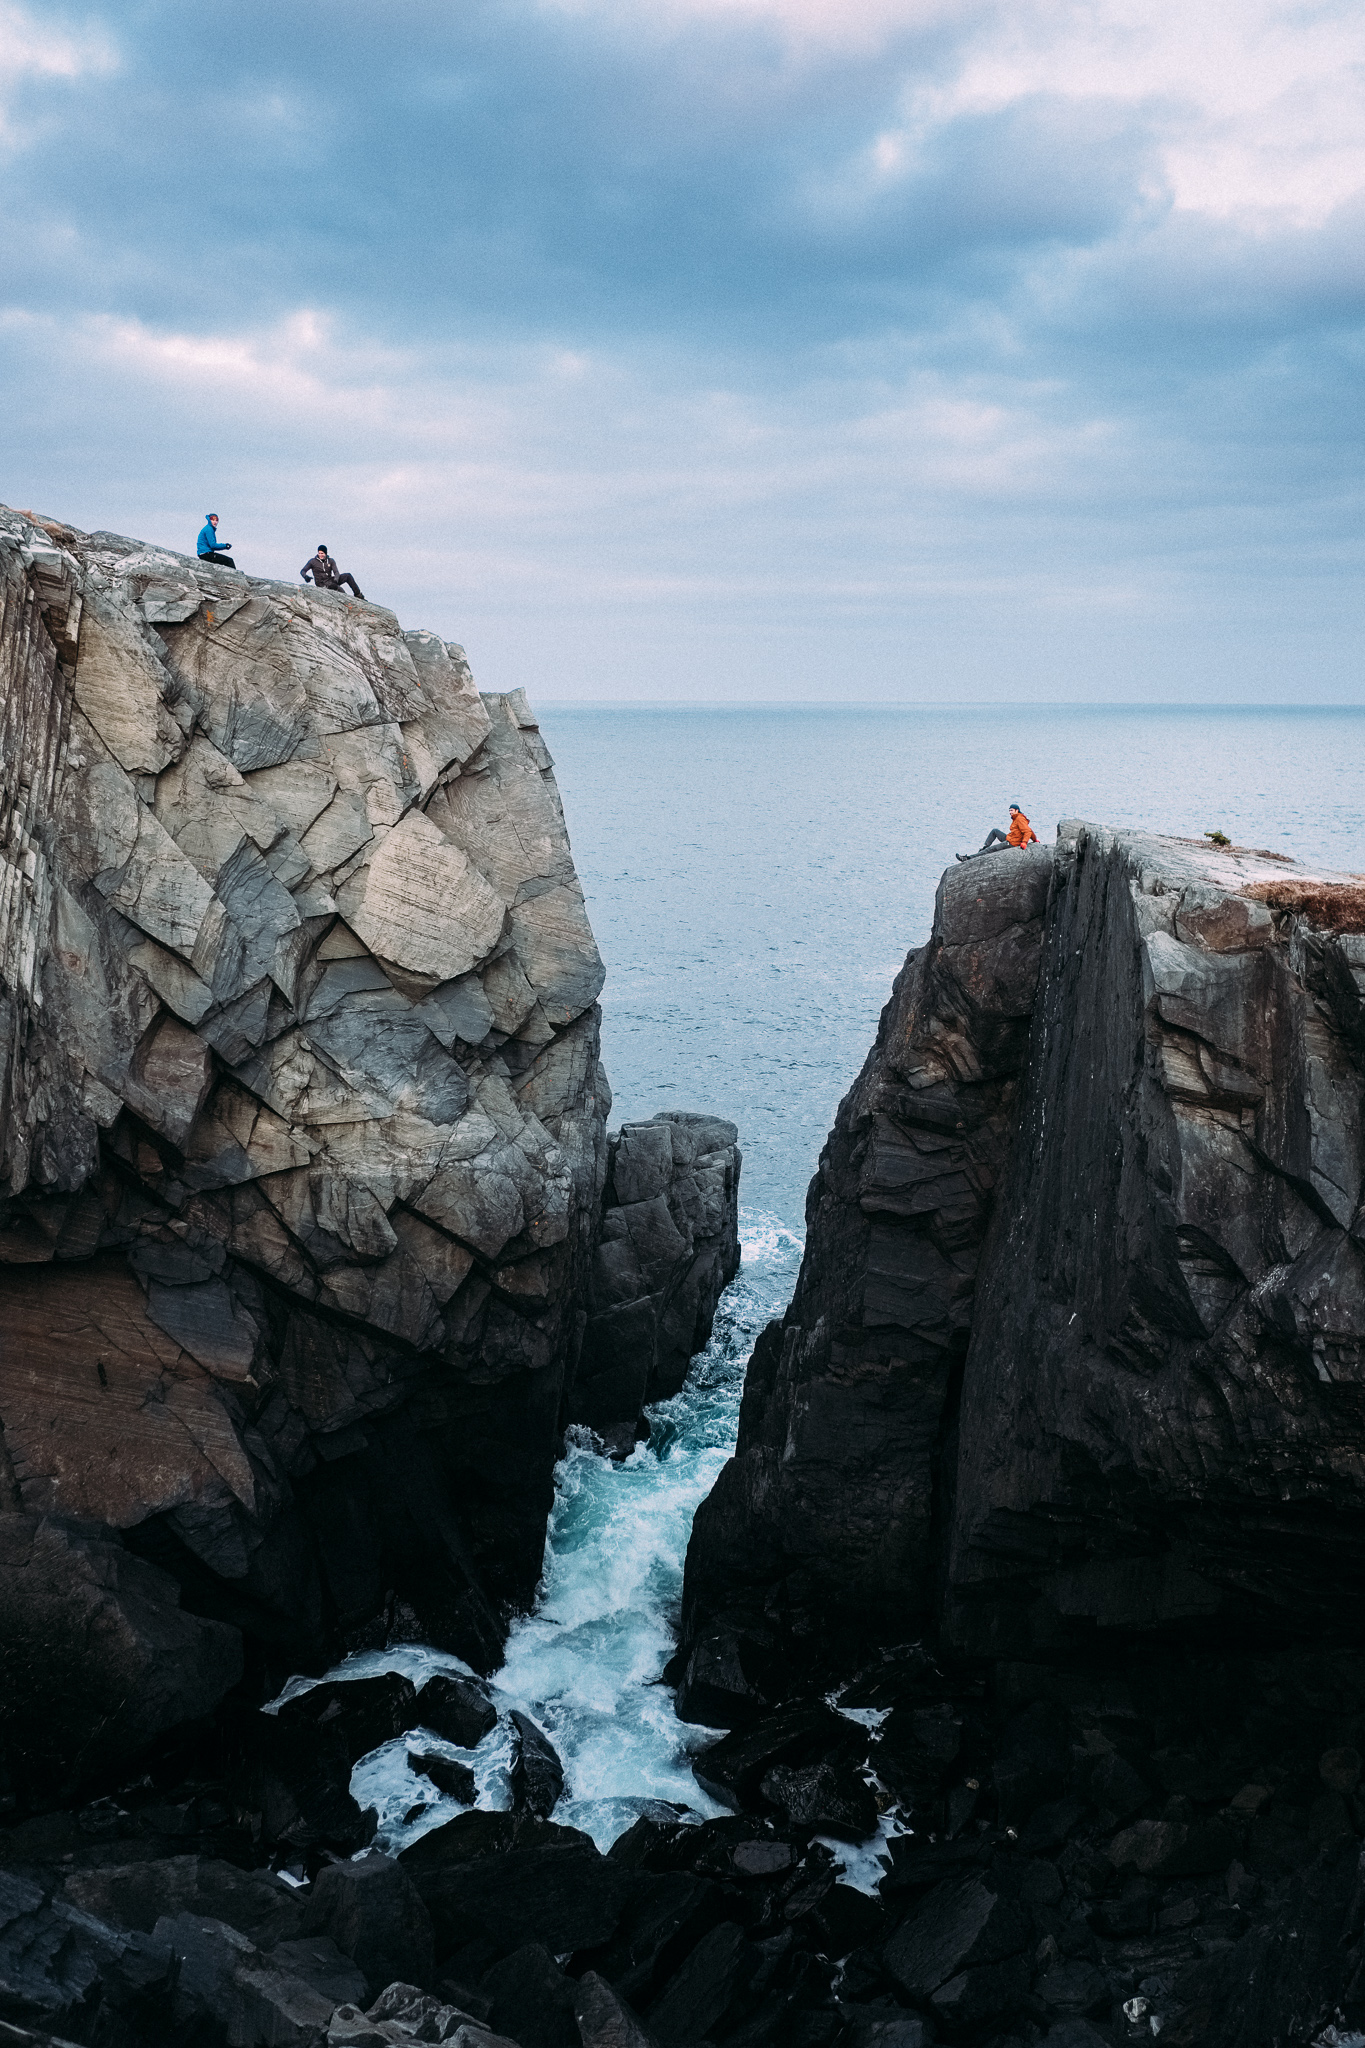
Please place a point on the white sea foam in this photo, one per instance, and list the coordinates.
(586, 1664)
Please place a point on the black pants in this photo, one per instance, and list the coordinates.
(346, 577)
(223, 561)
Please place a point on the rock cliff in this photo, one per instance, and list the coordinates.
(304, 1136)
(1073, 1362)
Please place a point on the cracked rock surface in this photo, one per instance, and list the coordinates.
(1074, 1358)
(303, 1126)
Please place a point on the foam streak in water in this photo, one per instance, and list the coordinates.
(587, 1662)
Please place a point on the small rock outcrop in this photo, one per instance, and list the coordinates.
(1073, 1357)
(303, 1131)
(669, 1245)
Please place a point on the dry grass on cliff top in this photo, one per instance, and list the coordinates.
(1331, 906)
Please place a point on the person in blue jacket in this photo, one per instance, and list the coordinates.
(209, 550)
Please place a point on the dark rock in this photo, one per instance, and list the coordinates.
(446, 1773)
(301, 1785)
(981, 1997)
(1075, 1989)
(457, 1709)
(1131, 1913)
(819, 1797)
(357, 1714)
(371, 1909)
(733, 1769)
(1048, 1826)
(1340, 1769)
(665, 1916)
(1160, 1848)
(1075, 2033)
(669, 1244)
(604, 2019)
(700, 1993)
(724, 1680)
(130, 1895)
(563, 1898)
(849, 1920)
(959, 1927)
(537, 1774)
(533, 2001)
(59, 1967)
(1117, 1787)
(230, 1991)
(884, 2030)
(918, 1744)
(65, 1584)
(469, 1836)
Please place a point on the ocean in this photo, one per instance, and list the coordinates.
(755, 878)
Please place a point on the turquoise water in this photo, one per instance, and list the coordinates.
(755, 878)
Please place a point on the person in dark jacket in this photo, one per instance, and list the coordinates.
(209, 550)
(325, 573)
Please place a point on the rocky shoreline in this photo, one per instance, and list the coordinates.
(1036, 1561)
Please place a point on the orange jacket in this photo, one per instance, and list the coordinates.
(1021, 833)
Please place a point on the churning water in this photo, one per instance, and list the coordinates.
(755, 878)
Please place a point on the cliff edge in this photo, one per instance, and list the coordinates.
(1073, 1362)
(304, 1136)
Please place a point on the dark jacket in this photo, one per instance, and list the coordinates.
(323, 571)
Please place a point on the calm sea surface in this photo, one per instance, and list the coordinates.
(755, 877)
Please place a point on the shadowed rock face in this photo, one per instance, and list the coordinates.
(669, 1245)
(302, 1117)
(1073, 1357)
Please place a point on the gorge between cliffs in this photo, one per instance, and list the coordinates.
(357, 1389)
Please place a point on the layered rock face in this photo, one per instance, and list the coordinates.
(669, 1245)
(1072, 1361)
(303, 1126)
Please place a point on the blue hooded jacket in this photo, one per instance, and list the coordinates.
(208, 540)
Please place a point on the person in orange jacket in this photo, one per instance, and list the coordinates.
(1020, 834)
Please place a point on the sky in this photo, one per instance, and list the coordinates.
(732, 350)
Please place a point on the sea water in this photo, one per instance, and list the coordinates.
(755, 879)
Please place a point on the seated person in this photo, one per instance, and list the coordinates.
(1020, 834)
(209, 550)
(325, 573)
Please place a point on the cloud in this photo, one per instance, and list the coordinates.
(857, 347)
(31, 49)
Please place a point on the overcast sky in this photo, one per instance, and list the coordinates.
(718, 348)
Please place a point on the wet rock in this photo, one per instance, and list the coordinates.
(537, 1773)
(604, 2018)
(446, 1773)
(457, 1709)
(371, 1909)
(872, 2029)
(533, 2001)
(1158, 1848)
(958, 1928)
(469, 1836)
(733, 1769)
(354, 1715)
(822, 1799)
